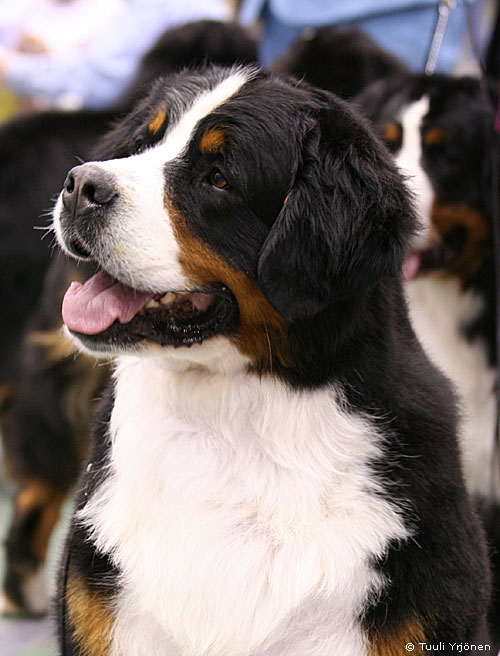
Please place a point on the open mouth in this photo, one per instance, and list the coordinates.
(441, 257)
(106, 310)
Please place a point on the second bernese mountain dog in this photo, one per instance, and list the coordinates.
(441, 132)
(274, 470)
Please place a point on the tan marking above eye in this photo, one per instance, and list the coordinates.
(155, 124)
(213, 140)
(434, 136)
(391, 132)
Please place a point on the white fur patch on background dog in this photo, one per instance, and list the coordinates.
(242, 514)
(408, 161)
(439, 310)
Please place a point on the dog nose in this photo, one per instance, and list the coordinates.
(87, 188)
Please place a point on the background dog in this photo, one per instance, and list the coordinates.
(440, 130)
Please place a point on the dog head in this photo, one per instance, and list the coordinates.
(440, 130)
(229, 205)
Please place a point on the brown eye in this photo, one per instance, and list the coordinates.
(217, 179)
(393, 134)
(434, 136)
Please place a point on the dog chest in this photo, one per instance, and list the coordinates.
(238, 511)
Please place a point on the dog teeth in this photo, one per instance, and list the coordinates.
(169, 297)
(152, 304)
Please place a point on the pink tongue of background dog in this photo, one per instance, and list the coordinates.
(93, 307)
(411, 266)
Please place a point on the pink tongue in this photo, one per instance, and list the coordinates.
(411, 266)
(94, 306)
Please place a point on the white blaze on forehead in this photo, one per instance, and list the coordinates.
(138, 244)
(179, 135)
(178, 138)
(408, 160)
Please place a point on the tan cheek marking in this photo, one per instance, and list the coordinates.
(213, 140)
(446, 216)
(434, 136)
(393, 643)
(391, 133)
(90, 617)
(262, 332)
(155, 124)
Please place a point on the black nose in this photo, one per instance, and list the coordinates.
(87, 188)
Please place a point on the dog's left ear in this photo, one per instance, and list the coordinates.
(344, 225)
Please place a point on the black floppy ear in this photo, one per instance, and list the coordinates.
(345, 223)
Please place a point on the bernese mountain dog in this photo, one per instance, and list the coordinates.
(440, 130)
(274, 469)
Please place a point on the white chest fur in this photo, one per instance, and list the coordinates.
(439, 311)
(242, 515)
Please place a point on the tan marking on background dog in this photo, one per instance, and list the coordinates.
(213, 140)
(48, 499)
(434, 136)
(48, 519)
(85, 378)
(446, 216)
(391, 132)
(261, 334)
(155, 124)
(394, 642)
(7, 391)
(33, 495)
(56, 344)
(90, 617)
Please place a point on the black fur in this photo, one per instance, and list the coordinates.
(80, 558)
(190, 45)
(344, 61)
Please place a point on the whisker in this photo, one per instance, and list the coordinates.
(270, 351)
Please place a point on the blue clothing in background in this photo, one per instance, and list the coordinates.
(96, 75)
(403, 27)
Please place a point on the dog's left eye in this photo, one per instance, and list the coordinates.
(217, 179)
